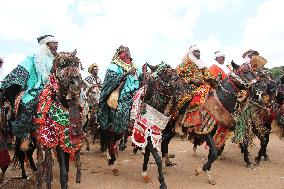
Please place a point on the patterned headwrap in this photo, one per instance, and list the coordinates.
(249, 52)
(116, 59)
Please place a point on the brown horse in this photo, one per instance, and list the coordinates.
(59, 119)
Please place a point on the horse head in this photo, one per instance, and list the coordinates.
(164, 77)
(235, 88)
(160, 86)
(66, 69)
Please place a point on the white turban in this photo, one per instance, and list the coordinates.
(218, 54)
(193, 48)
(47, 40)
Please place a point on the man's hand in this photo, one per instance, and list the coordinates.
(132, 70)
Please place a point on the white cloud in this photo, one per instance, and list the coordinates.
(217, 5)
(154, 30)
(265, 32)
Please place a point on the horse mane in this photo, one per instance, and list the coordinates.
(66, 59)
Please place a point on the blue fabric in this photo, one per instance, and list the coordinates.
(36, 79)
(111, 119)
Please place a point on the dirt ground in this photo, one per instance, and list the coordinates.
(229, 170)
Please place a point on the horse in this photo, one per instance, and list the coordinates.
(4, 131)
(217, 115)
(59, 119)
(258, 121)
(156, 99)
(266, 102)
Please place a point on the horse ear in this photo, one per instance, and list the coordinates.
(234, 65)
(74, 52)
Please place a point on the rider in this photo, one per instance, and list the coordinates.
(196, 83)
(29, 78)
(116, 98)
(22, 86)
(218, 69)
(93, 89)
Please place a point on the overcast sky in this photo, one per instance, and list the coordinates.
(154, 30)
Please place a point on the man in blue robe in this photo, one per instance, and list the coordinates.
(23, 85)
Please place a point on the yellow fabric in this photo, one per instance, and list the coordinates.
(257, 62)
(90, 69)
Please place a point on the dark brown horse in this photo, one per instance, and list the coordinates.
(59, 119)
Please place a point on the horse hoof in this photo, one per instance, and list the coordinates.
(163, 187)
(170, 164)
(257, 161)
(2, 177)
(146, 179)
(88, 148)
(115, 172)
(267, 159)
(24, 176)
(172, 155)
(197, 171)
(250, 166)
(212, 182)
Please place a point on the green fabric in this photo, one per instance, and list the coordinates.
(111, 119)
(28, 78)
(277, 72)
(59, 115)
(241, 124)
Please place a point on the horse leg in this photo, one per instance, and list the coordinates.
(64, 167)
(158, 161)
(48, 164)
(262, 151)
(2, 175)
(266, 141)
(112, 151)
(194, 148)
(167, 137)
(20, 156)
(212, 156)
(87, 143)
(103, 140)
(244, 150)
(145, 176)
(122, 142)
(30, 154)
(78, 165)
(40, 171)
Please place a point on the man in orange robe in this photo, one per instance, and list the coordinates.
(219, 70)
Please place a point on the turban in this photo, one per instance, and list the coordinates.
(42, 40)
(120, 50)
(193, 48)
(249, 52)
(257, 62)
(90, 69)
(218, 54)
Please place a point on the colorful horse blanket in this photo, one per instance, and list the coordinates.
(56, 126)
(148, 122)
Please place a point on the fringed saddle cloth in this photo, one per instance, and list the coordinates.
(58, 125)
(147, 122)
(203, 119)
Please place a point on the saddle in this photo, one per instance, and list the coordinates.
(218, 112)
